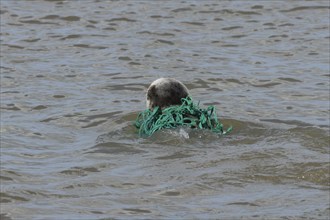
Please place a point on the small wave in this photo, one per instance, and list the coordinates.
(121, 19)
(193, 23)
(301, 8)
(181, 10)
(164, 42)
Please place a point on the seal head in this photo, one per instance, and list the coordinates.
(165, 92)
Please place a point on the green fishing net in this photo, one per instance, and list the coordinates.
(187, 114)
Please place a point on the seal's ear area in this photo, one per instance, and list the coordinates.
(179, 90)
(175, 92)
(152, 92)
(151, 96)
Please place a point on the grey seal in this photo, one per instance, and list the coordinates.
(165, 92)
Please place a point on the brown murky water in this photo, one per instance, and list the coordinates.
(74, 76)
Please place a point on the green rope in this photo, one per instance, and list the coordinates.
(187, 114)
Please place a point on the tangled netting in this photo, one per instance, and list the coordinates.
(187, 114)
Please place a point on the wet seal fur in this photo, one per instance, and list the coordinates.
(165, 92)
